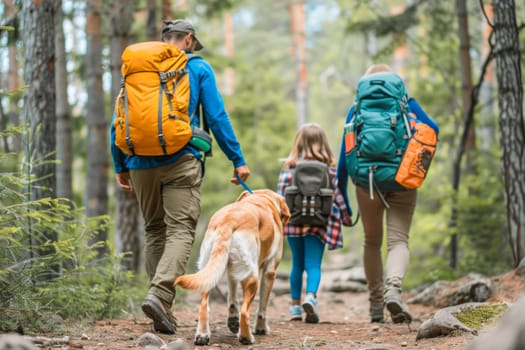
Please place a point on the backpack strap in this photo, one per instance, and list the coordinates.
(372, 186)
(125, 101)
(356, 219)
(162, 88)
(199, 111)
(381, 197)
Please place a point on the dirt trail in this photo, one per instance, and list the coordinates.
(344, 325)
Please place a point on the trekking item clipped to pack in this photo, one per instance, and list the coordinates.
(418, 156)
(387, 149)
(200, 139)
(152, 107)
(310, 195)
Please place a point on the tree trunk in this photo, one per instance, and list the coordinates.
(465, 69)
(151, 26)
(299, 50)
(511, 124)
(96, 199)
(400, 54)
(3, 126)
(467, 143)
(229, 74)
(13, 80)
(39, 95)
(487, 112)
(166, 9)
(128, 224)
(39, 110)
(64, 137)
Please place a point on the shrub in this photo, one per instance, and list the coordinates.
(43, 281)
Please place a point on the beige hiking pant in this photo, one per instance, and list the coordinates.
(169, 198)
(398, 221)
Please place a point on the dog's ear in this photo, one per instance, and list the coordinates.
(285, 211)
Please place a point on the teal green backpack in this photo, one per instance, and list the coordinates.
(378, 133)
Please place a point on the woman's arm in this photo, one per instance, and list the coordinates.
(422, 115)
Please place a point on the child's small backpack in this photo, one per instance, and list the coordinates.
(378, 136)
(310, 195)
(152, 107)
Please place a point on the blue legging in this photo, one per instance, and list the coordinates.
(307, 254)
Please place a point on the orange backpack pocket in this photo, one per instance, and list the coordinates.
(417, 157)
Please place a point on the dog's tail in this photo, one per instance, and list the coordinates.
(213, 259)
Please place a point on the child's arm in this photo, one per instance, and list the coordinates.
(285, 179)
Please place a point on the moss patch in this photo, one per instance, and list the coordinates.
(478, 316)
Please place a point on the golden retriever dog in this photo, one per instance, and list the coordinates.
(245, 240)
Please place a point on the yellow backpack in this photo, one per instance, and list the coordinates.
(152, 106)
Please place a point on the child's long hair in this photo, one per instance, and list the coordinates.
(311, 143)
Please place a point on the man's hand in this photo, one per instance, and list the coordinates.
(243, 173)
(124, 181)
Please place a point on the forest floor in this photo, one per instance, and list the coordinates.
(344, 325)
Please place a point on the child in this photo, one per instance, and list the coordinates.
(307, 242)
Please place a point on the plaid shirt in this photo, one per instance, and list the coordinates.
(332, 233)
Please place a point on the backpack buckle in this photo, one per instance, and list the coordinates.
(312, 206)
(129, 143)
(163, 77)
(304, 205)
(162, 140)
(393, 122)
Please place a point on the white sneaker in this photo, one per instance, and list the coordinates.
(310, 307)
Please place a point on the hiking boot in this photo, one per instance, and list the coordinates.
(376, 299)
(376, 313)
(163, 320)
(396, 306)
(310, 307)
(296, 313)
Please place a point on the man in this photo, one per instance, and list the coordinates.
(168, 187)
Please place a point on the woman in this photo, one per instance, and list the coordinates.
(385, 288)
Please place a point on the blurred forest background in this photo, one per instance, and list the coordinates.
(71, 241)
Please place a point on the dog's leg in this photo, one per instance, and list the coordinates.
(249, 288)
(233, 305)
(202, 335)
(267, 280)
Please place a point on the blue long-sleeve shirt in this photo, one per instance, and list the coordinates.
(342, 172)
(203, 89)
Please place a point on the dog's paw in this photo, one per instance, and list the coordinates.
(246, 340)
(233, 324)
(262, 331)
(261, 327)
(202, 339)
